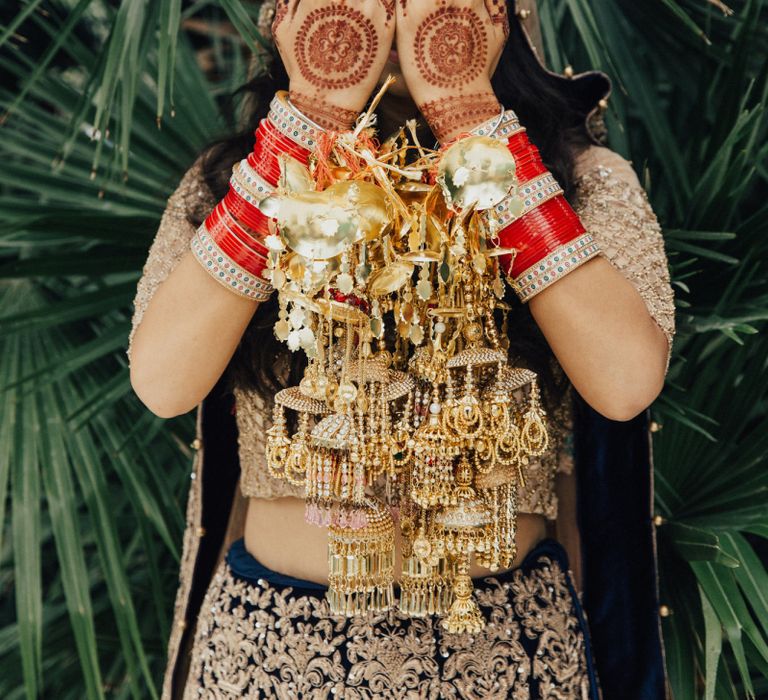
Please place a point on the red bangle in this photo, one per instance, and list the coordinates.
(221, 217)
(217, 264)
(537, 233)
(528, 163)
(268, 129)
(267, 144)
(270, 143)
(221, 223)
(246, 213)
(237, 251)
(270, 140)
(266, 165)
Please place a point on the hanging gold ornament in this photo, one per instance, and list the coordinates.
(425, 588)
(466, 529)
(387, 280)
(361, 563)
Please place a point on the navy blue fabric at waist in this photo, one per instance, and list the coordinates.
(246, 566)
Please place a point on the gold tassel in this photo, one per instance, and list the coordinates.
(361, 563)
(464, 615)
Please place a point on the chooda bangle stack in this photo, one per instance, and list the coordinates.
(541, 235)
(232, 244)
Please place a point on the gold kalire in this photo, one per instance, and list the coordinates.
(388, 278)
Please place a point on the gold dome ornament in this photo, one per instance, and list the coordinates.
(476, 172)
(320, 225)
(465, 530)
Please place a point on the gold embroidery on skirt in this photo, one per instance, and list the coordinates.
(292, 647)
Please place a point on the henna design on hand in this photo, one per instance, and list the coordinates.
(451, 47)
(323, 113)
(281, 11)
(335, 47)
(451, 115)
(389, 7)
(497, 9)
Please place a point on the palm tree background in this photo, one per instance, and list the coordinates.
(92, 486)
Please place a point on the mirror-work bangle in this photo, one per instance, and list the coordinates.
(554, 266)
(225, 272)
(250, 182)
(290, 122)
(500, 127)
(531, 195)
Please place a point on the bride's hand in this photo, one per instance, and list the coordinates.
(334, 52)
(448, 50)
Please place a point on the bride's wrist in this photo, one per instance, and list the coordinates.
(325, 114)
(450, 116)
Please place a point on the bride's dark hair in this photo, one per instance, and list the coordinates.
(554, 114)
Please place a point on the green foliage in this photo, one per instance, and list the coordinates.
(92, 486)
(688, 107)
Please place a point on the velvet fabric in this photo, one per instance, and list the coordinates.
(619, 567)
(246, 568)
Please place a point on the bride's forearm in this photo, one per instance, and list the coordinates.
(604, 338)
(188, 334)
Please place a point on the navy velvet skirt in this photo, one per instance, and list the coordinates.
(262, 634)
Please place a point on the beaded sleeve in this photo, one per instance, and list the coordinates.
(186, 207)
(614, 207)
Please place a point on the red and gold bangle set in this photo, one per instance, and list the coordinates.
(536, 223)
(548, 239)
(230, 243)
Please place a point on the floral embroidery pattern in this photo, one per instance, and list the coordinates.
(256, 640)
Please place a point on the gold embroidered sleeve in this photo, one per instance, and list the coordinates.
(614, 207)
(189, 204)
(564, 459)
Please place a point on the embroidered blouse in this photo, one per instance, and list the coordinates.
(612, 205)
